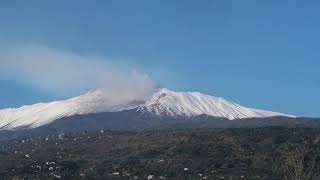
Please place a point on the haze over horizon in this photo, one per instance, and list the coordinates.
(55, 50)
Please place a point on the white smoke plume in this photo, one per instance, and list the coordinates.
(66, 74)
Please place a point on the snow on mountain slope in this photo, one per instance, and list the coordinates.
(36, 115)
(193, 103)
(162, 102)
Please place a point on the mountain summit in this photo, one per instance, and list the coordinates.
(173, 103)
(163, 102)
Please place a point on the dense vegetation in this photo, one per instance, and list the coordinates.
(204, 153)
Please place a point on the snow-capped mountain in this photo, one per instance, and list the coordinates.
(36, 115)
(162, 102)
(189, 104)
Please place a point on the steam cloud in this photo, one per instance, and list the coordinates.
(66, 73)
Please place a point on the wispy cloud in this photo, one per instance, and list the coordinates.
(66, 73)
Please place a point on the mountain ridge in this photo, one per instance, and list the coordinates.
(163, 102)
(195, 103)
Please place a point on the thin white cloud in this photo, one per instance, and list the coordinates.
(65, 73)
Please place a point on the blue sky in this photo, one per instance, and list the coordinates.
(262, 54)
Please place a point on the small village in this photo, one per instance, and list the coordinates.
(167, 154)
